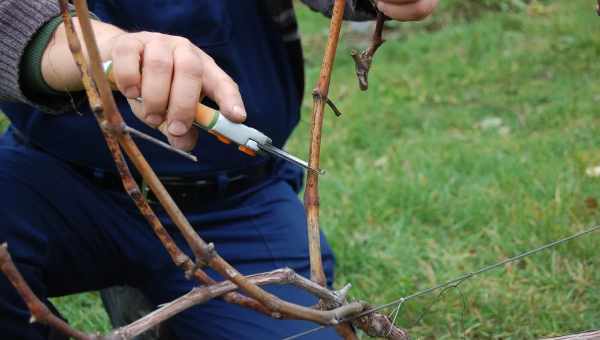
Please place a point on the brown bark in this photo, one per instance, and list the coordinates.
(311, 193)
(380, 326)
(364, 58)
(129, 184)
(131, 187)
(374, 324)
(39, 312)
(179, 258)
(278, 307)
(203, 294)
(115, 132)
(204, 253)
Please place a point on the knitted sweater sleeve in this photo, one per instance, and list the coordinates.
(20, 20)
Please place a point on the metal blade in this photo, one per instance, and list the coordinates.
(288, 157)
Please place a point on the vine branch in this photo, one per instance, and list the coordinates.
(364, 59)
(311, 192)
(39, 312)
(179, 258)
(375, 325)
(204, 252)
(333, 306)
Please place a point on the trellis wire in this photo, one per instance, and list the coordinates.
(458, 280)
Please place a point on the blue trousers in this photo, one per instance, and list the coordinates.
(66, 236)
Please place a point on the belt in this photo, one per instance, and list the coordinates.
(190, 193)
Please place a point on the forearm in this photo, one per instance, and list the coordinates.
(29, 38)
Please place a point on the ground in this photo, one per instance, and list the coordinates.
(471, 145)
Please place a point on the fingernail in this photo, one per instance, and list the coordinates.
(154, 119)
(239, 111)
(177, 128)
(131, 92)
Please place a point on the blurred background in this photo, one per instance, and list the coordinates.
(477, 140)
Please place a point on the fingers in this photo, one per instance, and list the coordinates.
(174, 74)
(186, 142)
(126, 55)
(195, 73)
(136, 106)
(185, 95)
(157, 70)
(407, 10)
(223, 90)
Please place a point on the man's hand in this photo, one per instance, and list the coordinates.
(407, 10)
(169, 72)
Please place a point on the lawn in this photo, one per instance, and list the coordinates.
(470, 146)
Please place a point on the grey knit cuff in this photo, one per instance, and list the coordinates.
(19, 22)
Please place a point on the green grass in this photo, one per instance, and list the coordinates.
(418, 191)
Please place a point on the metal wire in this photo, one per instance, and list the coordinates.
(158, 142)
(458, 280)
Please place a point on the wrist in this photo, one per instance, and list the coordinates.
(58, 67)
(31, 78)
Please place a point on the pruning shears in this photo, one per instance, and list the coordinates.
(249, 140)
